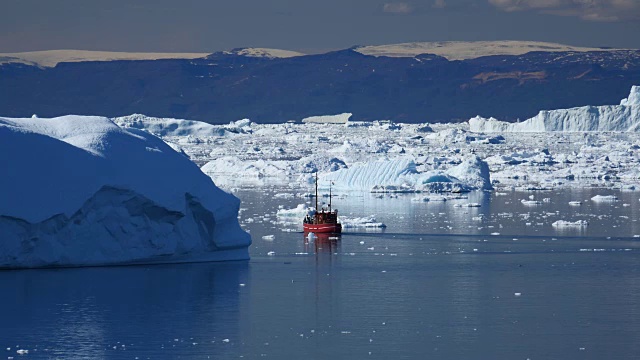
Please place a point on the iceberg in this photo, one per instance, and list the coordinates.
(401, 175)
(361, 222)
(178, 127)
(81, 191)
(564, 223)
(232, 169)
(623, 117)
(328, 119)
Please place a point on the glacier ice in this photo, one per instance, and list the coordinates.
(623, 117)
(80, 190)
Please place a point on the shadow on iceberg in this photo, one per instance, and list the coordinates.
(117, 226)
(80, 191)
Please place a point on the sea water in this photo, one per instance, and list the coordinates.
(441, 281)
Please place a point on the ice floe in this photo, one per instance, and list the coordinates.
(299, 211)
(361, 222)
(563, 223)
(386, 157)
(604, 198)
(328, 119)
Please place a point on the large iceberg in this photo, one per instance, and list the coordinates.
(402, 175)
(79, 190)
(178, 127)
(623, 117)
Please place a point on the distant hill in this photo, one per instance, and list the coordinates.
(384, 82)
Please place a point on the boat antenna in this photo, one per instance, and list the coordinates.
(316, 193)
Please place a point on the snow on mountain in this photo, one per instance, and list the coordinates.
(265, 52)
(401, 175)
(623, 117)
(79, 190)
(461, 50)
(51, 58)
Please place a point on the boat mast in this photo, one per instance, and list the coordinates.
(329, 196)
(316, 194)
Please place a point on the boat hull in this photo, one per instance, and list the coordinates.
(323, 228)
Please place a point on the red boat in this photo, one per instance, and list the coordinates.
(322, 221)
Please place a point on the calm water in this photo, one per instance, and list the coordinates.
(435, 284)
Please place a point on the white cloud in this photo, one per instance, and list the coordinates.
(397, 8)
(592, 10)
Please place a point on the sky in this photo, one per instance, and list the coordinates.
(309, 26)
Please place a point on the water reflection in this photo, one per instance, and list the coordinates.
(130, 311)
(322, 243)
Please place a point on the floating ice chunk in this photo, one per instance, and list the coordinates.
(22, 352)
(604, 198)
(432, 198)
(269, 237)
(467, 205)
(299, 211)
(575, 203)
(517, 294)
(328, 119)
(365, 222)
(563, 223)
(271, 253)
(531, 202)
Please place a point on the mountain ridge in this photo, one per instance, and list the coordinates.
(227, 86)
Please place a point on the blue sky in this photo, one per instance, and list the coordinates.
(308, 25)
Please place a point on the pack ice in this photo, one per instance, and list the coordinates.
(79, 190)
(623, 117)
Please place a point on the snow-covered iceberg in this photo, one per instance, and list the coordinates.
(79, 190)
(179, 127)
(328, 119)
(623, 117)
(401, 175)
